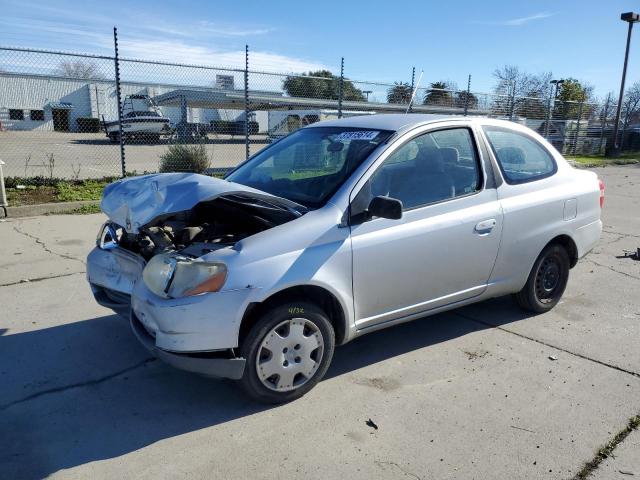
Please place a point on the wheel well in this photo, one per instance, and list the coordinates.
(310, 293)
(570, 246)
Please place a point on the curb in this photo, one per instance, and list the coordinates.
(45, 208)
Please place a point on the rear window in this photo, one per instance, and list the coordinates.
(521, 158)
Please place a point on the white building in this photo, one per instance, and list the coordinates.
(46, 102)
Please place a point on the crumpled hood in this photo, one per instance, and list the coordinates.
(133, 202)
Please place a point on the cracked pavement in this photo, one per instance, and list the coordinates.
(481, 392)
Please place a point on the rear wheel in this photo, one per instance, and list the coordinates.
(547, 280)
(288, 351)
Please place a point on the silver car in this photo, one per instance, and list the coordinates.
(339, 229)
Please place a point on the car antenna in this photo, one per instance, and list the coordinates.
(413, 94)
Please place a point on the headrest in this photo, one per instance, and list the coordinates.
(450, 155)
(429, 160)
(513, 155)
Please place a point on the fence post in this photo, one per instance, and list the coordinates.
(119, 99)
(3, 194)
(466, 97)
(575, 144)
(340, 88)
(246, 101)
(513, 100)
(413, 79)
(546, 127)
(604, 121)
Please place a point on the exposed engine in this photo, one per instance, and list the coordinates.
(206, 227)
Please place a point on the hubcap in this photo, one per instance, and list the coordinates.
(548, 279)
(289, 354)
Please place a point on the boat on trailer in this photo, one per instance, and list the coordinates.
(141, 120)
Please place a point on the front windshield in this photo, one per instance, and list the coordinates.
(309, 165)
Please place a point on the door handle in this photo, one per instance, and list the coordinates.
(485, 226)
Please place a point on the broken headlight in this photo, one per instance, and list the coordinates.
(174, 276)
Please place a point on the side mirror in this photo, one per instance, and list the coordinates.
(385, 207)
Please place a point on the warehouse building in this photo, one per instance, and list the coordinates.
(53, 103)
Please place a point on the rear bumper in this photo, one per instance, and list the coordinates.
(210, 364)
(587, 236)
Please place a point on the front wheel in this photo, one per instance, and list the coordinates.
(547, 280)
(287, 351)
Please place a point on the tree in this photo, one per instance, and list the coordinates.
(522, 93)
(399, 93)
(461, 97)
(314, 85)
(79, 69)
(631, 107)
(439, 94)
(571, 94)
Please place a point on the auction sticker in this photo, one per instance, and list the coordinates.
(362, 135)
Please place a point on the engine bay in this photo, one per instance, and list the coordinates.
(208, 226)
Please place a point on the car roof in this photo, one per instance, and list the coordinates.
(387, 121)
(402, 121)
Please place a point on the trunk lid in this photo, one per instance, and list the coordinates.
(134, 202)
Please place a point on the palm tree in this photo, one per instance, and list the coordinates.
(399, 93)
(438, 94)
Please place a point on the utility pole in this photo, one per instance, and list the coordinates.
(630, 18)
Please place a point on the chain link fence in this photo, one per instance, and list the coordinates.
(60, 116)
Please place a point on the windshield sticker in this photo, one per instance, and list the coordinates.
(363, 135)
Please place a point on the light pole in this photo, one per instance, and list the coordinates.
(556, 83)
(630, 18)
(367, 92)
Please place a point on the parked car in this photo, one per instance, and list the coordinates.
(339, 229)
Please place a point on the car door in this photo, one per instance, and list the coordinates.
(444, 247)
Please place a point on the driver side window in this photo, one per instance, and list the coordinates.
(430, 168)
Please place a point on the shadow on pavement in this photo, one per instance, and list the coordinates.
(103, 398)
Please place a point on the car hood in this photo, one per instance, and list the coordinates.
(134, 202)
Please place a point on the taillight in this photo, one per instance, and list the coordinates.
(601, 193)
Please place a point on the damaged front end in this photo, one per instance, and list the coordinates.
(148, 265)
(179, 216)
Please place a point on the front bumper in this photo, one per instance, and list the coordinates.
(201, 323)
(209, 364)
(112, 275)
(197, 334)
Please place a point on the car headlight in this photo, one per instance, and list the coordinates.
(174, 276)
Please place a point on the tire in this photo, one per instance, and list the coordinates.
(286, 340)
(547, 280)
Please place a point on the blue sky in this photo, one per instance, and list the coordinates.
(379, 40)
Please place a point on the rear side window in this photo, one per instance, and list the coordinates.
(521, 158)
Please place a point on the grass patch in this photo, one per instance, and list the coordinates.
(35, 190)
(86, 209)
(61, 191)
(31, 195)
(601, 161)
(87, 190)
(606, 450)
